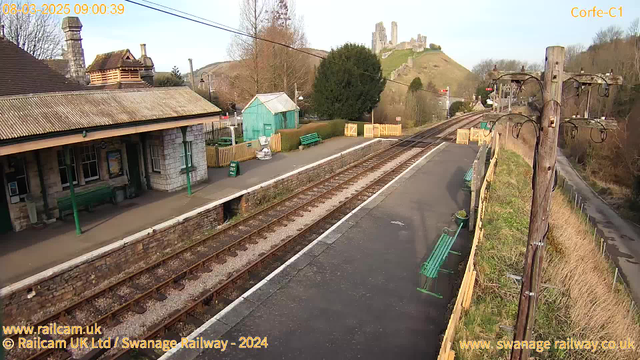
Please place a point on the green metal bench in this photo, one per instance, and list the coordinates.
(467, 179)
(431, 267)
(310, 139)
(225, 141)
(86, 199)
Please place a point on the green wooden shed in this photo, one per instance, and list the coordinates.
(267, 113)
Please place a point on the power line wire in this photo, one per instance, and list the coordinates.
(219, 26)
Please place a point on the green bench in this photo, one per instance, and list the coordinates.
(431, 267)
(86, 199)
(310, 139)
(467, 179)
(225, 141)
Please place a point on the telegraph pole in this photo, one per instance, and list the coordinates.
(544, 171)
(543, 179)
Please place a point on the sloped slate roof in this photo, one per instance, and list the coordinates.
(113, 60)
(22, 73)
(275, 102)
(30, 115)
(59, 65)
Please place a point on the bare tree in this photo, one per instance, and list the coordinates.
(38, 34)
(607, 35)
(634, 28)
(571, 54)
(286, 67)
(245, 49)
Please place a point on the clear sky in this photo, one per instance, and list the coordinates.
(468, 31)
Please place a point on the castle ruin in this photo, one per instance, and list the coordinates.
(379, 40)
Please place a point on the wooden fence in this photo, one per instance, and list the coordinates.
(482, 136)
(463, 301)
(378, 130)
(222, 156)
(462, 136)
(351, 130)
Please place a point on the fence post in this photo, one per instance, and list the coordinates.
(602, 246)
(615, 278)
(631, 308)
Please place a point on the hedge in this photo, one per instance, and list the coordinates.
(326, 129)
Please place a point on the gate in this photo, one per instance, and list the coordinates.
(351, 130)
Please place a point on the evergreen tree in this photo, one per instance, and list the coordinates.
(348, 83)
(174, 78)
(416, 84)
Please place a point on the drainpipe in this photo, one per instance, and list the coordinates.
(186, 159)
(72, 193)
(42, 185)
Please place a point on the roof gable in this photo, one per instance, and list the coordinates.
(114, 60)
(274, 102)
(22, 73)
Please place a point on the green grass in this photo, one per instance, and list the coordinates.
(501, 252)
(397, 58)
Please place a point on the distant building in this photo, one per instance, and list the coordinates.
(113, 70)
(265, 114)
(379, 40)
(120, 69)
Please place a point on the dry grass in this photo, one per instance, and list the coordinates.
(596, 312)
(580, 302)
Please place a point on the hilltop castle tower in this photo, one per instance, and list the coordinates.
(394, 33)
(378, 38)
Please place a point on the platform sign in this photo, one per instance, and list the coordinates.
(398, 118)
(234, 169)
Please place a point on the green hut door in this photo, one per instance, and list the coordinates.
(268, 130)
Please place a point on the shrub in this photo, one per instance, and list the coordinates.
(326, 129)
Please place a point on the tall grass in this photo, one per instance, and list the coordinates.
(576, 301)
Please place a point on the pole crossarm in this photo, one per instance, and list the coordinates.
(581, 77)
(607, 124)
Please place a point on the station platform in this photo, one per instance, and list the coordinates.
(31, 251)
(352, 292)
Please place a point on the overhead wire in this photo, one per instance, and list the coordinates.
(203, 21)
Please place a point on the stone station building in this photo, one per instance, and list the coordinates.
(128, 141)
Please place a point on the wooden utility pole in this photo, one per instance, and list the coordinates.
(543, 178)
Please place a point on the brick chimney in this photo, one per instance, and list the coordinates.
(147, 74)
(71, 26)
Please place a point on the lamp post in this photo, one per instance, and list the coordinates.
(208, 82)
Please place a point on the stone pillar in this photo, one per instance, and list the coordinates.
(71, 26)
(394, 33)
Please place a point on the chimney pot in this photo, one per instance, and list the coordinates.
(143, 49)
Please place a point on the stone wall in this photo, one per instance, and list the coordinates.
(172, 175)
(58, 291)
(262, 196)
(67, 286)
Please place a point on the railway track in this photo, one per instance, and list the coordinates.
(214, 260)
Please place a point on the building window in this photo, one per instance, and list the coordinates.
(189, 157)
(89, 160)
(17, 179)
(64, 180)
(156, 159)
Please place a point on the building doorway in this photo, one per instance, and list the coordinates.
(135, 184)
(5, 216)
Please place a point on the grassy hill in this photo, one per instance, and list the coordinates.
(230, 68)
(429, 65)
